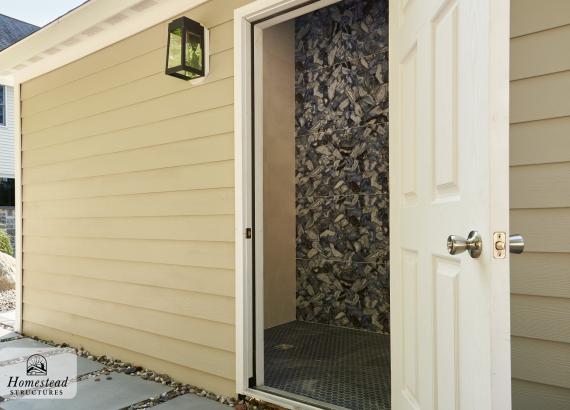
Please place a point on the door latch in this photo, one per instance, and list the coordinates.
(248, 233)
(516, 244)
(499, 245)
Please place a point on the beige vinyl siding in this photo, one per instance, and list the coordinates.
(128, 190)
(540, 203)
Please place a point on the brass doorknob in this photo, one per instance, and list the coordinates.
(473, 244)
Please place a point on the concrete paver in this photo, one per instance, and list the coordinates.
(190, 402)
(118, 392)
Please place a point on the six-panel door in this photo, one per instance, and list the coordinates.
(448, 175)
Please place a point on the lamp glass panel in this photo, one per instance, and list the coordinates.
(194, 52)
(188, 74)
(175, 48)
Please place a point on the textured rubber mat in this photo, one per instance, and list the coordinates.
(339, 366)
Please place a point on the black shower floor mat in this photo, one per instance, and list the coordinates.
(333, 365)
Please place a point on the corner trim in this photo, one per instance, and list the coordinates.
(18, 326)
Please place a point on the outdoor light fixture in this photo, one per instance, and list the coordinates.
(187, 51)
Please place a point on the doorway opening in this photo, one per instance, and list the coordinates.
(321, 217)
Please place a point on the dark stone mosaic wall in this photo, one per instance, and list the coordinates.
(341, 88)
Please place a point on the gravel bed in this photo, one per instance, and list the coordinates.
(114, 365)
(7, 300)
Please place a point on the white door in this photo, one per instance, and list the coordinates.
(449, 175)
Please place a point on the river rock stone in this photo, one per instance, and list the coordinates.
(7, 272)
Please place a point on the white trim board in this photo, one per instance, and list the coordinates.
(19, 207)
(288, 403)
(91, 27)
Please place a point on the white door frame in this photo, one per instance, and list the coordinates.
(264, 13)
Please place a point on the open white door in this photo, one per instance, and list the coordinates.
(449, 175)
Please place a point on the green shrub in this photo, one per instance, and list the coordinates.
(5, 245)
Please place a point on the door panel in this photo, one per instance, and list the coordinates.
(444, 59)
(446, 331)
(410, 319)
(449, 150)
(408, 127)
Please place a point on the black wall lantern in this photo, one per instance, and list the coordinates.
(187, 51)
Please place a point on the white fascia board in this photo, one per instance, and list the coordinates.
(85, 30)
(7, 80)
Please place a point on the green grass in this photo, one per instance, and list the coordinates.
(5, 245)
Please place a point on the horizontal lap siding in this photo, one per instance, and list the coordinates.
(540, 203)
(128, 206)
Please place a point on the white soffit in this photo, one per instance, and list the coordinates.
(92, 26)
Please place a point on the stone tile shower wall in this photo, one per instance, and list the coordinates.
(341, 88)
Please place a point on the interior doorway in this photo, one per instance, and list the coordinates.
(321, 217)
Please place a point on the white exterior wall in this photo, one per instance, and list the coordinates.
(7, 138)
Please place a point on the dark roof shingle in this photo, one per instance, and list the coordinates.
(13, 30)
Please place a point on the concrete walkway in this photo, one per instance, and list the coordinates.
(112, 391)
(8, 318)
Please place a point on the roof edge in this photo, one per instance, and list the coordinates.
(22, 21)
(84, 30)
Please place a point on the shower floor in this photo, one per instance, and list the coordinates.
(338, 366)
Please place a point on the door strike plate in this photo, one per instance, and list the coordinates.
(248, 233)
(499, 245)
